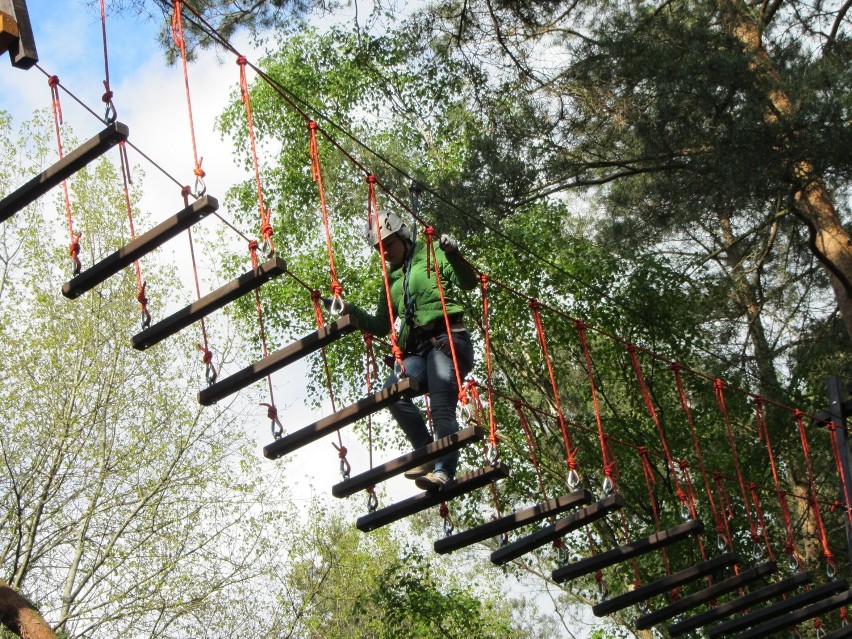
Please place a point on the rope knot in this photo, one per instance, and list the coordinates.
(185, 191)
(580, 325)
(341, 451)
(207, 354)
(757, 399)
(368, 340)
(444, 510)
(198, 171)
(370, 179)
(271, 412)
(53, 81)
(631, 348)
(241, 60)
(312, 125)
(534, 304)
(429, 231)
(315, 296)
(718, 384)
(140, 295)
(675, 367)
(336, 288)
(253, 245)
(106, 97)
(483, 278)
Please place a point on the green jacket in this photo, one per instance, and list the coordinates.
(425, 298)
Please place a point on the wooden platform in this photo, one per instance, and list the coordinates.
(139, 247)
(628, 551)
(514, 521)
(665, 584)
(63, 169)
(211, 302)
(455, 488)
(291, 353)
(574, 521)
(707, 594)
(739, 604)
(338, 420)
(399, 465)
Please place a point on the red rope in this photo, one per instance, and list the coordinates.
(531, 446)
(841, 470)
(74, 236)
(570, 451)
(723, 526)
(763, 431)
(610, 466)
(718, 386)
(316, 173)
(755, 498)
(373, 219)
(140, 285)
(371, 367)
(492, 424)
(266, 230)
(430, 251)
(177, 36)
(253, 246)
(812, 496)
(650, 481)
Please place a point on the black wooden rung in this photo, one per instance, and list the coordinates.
(779, 624)
(779, 608)
(572, 522)
(515, 520)
(23, 52)
(336, 421)
(728, 608)
(454, 488)
(628, 551)
(664, 585)
(279, 359)
(63, 169)
(707, 594)
(211, 302)
(142, 245)
(399, 465)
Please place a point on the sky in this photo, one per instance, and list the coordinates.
(150, 98)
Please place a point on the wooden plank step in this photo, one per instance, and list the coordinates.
(23, 51)
(142, 245)
(63, 169)
(454, 488)
(707, 594)
(779, 624)
(515, 520)
(211, 302)
(749, 600)
(279, 359)
(665, 584)
(399, 465)
(779, 608)
(336, 421)
(628, 551)
(554, 531)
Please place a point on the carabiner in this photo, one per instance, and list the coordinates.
(210, 374)
(463, 414)
(200, 187)
(449, 526)
(337, 306)
(372, 501)
(608, 486)
(399, 369)
(573, 479)
(345, 468)
(491, 453)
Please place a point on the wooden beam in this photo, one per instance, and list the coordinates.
(399, 465)
(707, 594)
(515, 520)
(336, 421)
(9, 33)
(779, 608)
(278, 360)
(665, 584)
(211, 302)
(628, 551)
(23, 51)
(454, 488)
(574, 521)
(782, 623)
(142, 245)
(749, 600)
(63, 169)
(843, 632)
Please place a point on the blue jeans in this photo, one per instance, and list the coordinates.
(432, 369)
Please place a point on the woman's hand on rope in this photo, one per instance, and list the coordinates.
(448, 244)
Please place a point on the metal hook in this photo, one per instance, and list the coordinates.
(277, 429)
(757, 551)
(210, 374)
(372, 501)
(110, 114)
(200, 187)
(449, 526)
(831, 569)
(337, 306)
(608, 486)
(345, 468)
(721, 544)
(399, 369)
(463, 414)
(491, 453)
(685, 513)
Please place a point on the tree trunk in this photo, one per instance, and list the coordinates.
(812, 202)
(20, 616)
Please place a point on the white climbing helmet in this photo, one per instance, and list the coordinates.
(388, 224)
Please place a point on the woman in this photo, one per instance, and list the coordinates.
(423, 334)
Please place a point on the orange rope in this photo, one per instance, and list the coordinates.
(316, 173)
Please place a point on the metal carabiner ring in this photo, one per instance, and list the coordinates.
(399, 369)
(199, 192)
(573, 479)
(337, 306)
(464, 414)
(608, 486)
(372, 501)
(491, 454)
(449, 526)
